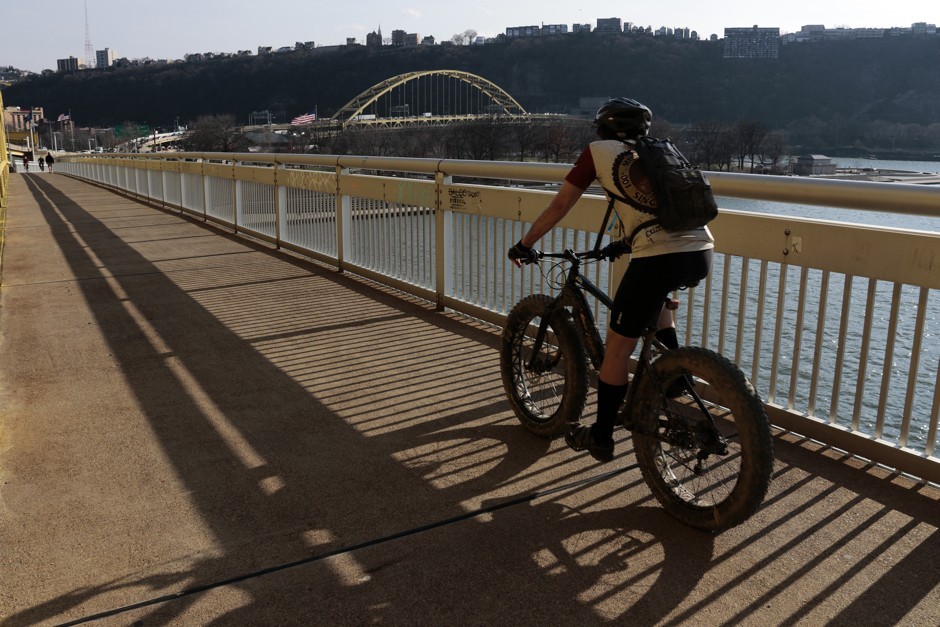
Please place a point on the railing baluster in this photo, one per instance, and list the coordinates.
(798, 339)
(778, 331)
(863, 355)
(742, 309)
(840, 351)
(759, 323)
(912, 376)
(725, 293)
(888, 360)
(706, 309)
(820, 340)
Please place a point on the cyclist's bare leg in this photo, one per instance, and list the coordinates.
(666, 326)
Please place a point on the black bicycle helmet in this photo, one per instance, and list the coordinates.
(624, 118)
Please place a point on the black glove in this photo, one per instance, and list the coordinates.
(615, 249)
(523, 254)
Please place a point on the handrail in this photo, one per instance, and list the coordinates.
(866, 195)
(796, 301)
(4, 163)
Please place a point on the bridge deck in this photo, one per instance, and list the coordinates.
(195, 428)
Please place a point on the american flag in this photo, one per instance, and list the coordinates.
(306, 118)
(64, 117)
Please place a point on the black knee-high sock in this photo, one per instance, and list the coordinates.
(668, 337)
(609, 399)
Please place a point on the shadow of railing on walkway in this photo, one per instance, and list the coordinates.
(289, 416)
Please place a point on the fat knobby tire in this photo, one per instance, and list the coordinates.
(751, 424)
(568, 397)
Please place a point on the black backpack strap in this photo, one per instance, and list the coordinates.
(600, 233)
(612, 196)
(642, 226)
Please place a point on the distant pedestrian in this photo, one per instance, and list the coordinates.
(42, 164)
(25, 163)
(49, 161)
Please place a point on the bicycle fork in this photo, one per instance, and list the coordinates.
(676, 429)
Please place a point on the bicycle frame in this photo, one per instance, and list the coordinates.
(573, 295)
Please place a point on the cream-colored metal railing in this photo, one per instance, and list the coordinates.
(4, 163)
(836, 324)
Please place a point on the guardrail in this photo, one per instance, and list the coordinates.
(835, 323)
(4, 163)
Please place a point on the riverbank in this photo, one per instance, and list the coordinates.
(885, 176)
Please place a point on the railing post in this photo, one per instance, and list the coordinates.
(206, 190)
(237, 193)
(444, 237)
(343, 220)
(280, 206)
(163, 182)
(179, 180)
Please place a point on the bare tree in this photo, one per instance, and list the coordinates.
(465, 38)
(484, 138)
(708, 141)
(775, 147)
(128, 133)
(561, 141)
(523, 135)
(749, 137)
(216, 133)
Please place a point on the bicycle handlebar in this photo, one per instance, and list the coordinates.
(610, 251)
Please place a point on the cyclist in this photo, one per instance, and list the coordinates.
(661, 261)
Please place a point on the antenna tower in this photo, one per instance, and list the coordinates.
(89, 49)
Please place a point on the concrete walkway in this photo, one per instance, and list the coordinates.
(197, 429)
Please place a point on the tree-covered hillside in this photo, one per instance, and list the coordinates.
(845, 88)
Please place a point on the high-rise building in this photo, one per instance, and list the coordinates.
(752, 43)
(609, 25)
(104, 58)
(72, 64)
(554, 29)
(514, 32)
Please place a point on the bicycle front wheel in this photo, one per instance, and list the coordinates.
(711, 471)
(547, 390)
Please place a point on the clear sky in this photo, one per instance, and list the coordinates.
(33, 34)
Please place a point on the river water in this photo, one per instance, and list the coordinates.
(921, 223)
(885, 388)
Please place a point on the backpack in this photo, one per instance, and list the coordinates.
(684, 198)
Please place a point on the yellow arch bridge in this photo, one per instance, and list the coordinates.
(431, 97)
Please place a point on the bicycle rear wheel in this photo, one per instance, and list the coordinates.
(711, 478)
(548, 392)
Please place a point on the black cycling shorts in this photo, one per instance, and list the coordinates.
(648, 282)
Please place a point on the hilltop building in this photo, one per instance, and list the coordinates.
(752, 43)
(104, 58)
(609, 25)
(72, 64)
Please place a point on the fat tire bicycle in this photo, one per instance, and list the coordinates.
(700, 432)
